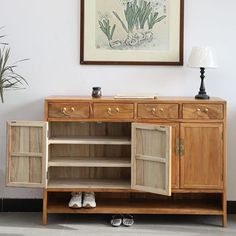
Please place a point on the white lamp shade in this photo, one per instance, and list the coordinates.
(202, 57)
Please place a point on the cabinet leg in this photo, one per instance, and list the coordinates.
(45, 204)
(224, 220)
(225, 216)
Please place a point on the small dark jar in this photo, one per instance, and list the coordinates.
(97, 92)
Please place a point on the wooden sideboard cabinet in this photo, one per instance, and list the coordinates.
(140, 156)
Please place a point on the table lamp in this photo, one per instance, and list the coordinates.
(202, 58)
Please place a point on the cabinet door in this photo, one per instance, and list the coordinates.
(151, 158)
(27, 152)
(201, 156)
(175, 160)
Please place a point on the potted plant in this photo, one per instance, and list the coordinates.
(9, 78)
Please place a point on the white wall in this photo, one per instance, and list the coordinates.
(47, 31)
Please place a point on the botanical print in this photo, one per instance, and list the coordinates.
(132, 25)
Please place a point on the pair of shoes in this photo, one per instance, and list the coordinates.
(126, 220)
(79, 200)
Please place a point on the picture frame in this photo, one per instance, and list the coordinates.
(132, 32)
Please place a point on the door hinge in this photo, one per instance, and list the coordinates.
(163, 127)
(181, 147)
(177, 147)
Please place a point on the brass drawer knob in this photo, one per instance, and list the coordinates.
(206, 110)
(161, 110)
(117, 109)
(64, 111)
(198, 110)
(109, 111)
(154, 112)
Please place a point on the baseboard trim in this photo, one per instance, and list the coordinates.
(231, 206)
(35, 205)
(21, 205)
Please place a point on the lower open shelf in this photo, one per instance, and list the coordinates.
(141, 206)
(89, 183)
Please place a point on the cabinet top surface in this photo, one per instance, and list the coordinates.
(112, 99)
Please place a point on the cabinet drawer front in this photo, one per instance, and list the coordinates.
(158, 111)
(203, 111)
(68, 110)
(111, 111)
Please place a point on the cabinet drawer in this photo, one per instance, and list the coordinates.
(68, 110)
(111, 111)
(203, 111)
(158, 111)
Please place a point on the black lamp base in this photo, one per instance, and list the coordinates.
(202, 96)
(202, 92)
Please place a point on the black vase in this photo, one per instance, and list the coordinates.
(97, 92)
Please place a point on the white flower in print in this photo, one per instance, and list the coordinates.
(125, 2)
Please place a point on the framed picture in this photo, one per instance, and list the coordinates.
(132, 32)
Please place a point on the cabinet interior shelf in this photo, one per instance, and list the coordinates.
(100, 140)
(140, 206)
(89, 162)
(89, 183)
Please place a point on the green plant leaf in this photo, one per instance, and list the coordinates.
(9, 78)
(122, 23)
(106, 28)
(160, 19)
(112, 31)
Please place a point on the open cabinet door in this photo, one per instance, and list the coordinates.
(26, 154)
(151, 158)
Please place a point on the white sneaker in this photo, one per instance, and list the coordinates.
(116, 220)
(128, 220)
(76, 200)
(89, 200)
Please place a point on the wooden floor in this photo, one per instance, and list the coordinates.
(29, 224)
